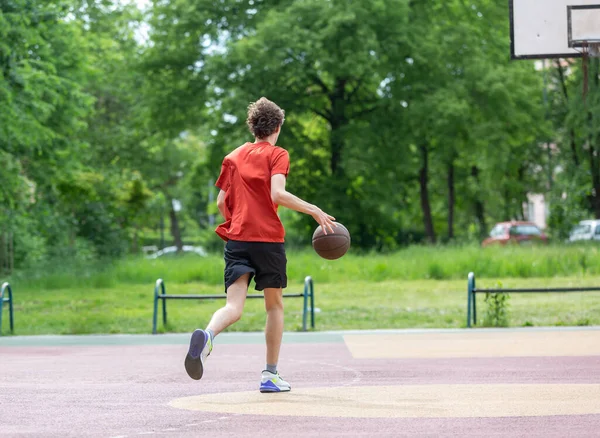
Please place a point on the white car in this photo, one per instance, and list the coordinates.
(586, 230)
(172, 250)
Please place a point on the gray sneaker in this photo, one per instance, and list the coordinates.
(200, 348)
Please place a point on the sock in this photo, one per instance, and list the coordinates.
(211, 334)
(272, 368)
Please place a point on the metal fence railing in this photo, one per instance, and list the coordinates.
(160, 294)
(7, 290)
(472, 290)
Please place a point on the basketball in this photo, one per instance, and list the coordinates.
(331, 246)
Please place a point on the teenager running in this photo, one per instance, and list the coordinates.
(252, 186)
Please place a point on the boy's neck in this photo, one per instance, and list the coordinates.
(271, 140)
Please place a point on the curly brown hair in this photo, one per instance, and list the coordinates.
(264, 117)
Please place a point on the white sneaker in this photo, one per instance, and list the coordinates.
(270, 382)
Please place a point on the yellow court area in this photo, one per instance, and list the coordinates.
(406, 401)
(488, 397)
(463, 344)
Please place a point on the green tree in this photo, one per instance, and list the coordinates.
(576, 194)
(42, 112)
(380, 95)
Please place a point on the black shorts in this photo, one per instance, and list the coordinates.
(264, 261)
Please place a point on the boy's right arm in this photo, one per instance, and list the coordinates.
(284, 198)
(222, 205)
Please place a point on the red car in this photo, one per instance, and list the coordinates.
(515, 232)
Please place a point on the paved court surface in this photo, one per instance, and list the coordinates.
(517, 382)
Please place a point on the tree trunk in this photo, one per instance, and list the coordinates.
(175, 231)
(520, 214)
(3, 257)
(595, 171)
(479, 207)
(425, 204)
(162, 228)
(11, 253)
(561, 75)
(451, 200)
(594, 147)
(338, 121)
(7, 254)
(337, 144)
(507, 207)
(73, 233)
(135, 244)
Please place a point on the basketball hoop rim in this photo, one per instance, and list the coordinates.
(584, 43)
(587, 48)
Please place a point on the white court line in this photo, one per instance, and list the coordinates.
(357, 374)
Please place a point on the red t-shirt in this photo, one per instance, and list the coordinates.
(246, 177)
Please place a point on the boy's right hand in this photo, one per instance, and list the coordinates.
(323, 219)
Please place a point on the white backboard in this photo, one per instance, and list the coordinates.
(583, 24)
(540, 28)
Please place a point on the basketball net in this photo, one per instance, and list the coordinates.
(589, 49)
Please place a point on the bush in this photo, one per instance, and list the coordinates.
(496, 314)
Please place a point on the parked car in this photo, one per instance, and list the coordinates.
(585, 230)
(172, 251)
(515, 232)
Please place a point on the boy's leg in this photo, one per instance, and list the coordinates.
(271, 381)
(233, 309)
(201, 342)
(274, 326)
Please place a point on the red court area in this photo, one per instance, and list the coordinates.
(533, 382)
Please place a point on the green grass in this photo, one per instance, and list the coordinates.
(343, 305)
(414, 263)
(415, 287)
